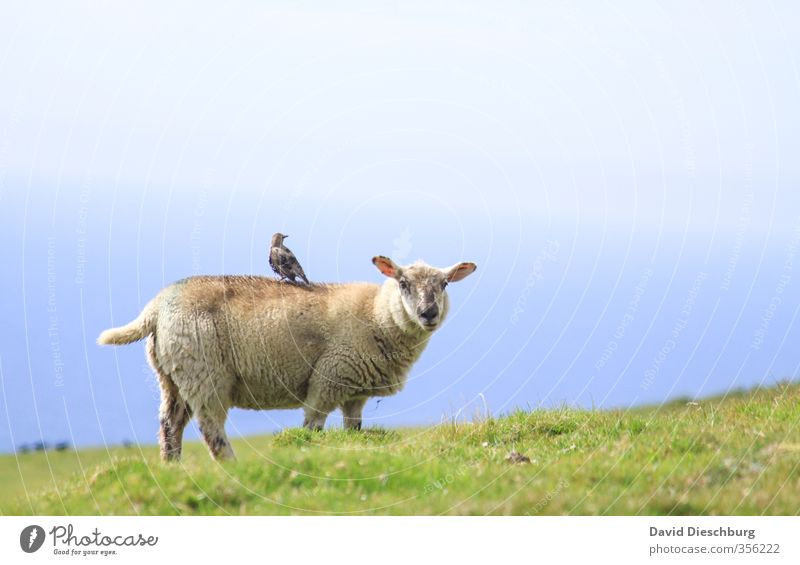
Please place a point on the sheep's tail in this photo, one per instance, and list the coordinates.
(141, 327)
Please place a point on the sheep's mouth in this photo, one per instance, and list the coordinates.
(429, 325)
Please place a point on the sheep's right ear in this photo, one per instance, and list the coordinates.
(387, 266)
(459, 271)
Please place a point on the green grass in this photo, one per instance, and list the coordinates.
(733, 455)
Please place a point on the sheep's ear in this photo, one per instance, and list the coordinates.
(387, 266)
(459, 271)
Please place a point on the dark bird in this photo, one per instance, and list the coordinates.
(283, 261)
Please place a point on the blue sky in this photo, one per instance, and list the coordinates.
(624, 174)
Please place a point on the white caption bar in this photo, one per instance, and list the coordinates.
(390, 540)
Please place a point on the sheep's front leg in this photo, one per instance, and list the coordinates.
(335, 383)
(317, 409)
(315, 420)
(322, 398)
(351, 410)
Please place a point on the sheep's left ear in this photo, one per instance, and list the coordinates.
(387, 267)
(459, 271)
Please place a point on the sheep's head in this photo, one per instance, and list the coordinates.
(422, 288)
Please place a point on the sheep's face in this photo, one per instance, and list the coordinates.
(422, 288)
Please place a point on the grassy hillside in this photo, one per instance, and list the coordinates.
(737, 455)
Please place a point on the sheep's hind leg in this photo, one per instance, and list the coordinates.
(174, 416)
(212, 426)
(351, 410)
(174, 413)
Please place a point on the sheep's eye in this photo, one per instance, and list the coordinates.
(403, 284)
(444, 285)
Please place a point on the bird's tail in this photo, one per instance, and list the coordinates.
(142, 326)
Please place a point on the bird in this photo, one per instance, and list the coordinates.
(283, 261)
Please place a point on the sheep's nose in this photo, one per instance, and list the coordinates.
(429, 313)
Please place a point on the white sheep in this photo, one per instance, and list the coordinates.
(252, 342)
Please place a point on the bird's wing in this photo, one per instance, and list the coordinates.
(293, 266)
(299, 270)
(285, 258)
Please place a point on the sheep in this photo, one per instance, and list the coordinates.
(217, 342)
